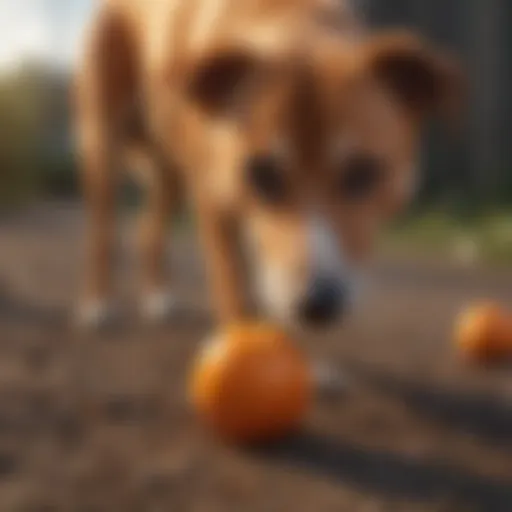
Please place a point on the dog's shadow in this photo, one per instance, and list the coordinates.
(390, 474)
(399, 476)
(483, 416)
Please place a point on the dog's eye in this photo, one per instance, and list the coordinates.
(265, 177)
(360, 176)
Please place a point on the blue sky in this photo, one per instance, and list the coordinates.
(46, 29)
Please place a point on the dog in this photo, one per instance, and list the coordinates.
(294, 131)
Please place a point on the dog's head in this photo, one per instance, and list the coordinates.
(317, 151)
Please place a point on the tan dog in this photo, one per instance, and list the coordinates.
(292, 129)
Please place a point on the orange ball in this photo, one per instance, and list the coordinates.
(251, 384)
(484, 332)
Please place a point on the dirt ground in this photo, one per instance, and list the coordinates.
(101, 423)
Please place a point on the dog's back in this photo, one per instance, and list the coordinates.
(185, 27)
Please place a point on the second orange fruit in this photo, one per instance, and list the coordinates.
(484, 332)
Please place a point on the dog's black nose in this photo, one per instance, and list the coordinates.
(323, 303)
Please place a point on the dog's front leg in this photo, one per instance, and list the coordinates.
(223, 264)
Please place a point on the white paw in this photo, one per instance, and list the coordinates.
(159, 306)
(96, 314)
(328, 380)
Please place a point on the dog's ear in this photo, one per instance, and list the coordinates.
(424, 80)
(222, 80)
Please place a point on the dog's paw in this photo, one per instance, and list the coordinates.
(159, 307)
(96, 315)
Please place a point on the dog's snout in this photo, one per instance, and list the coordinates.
(323, 303)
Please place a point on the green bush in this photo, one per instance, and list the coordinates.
(34, 153)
